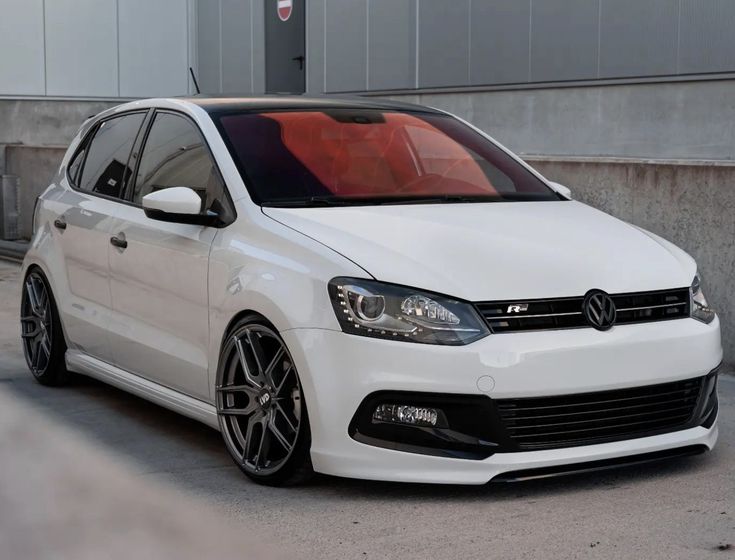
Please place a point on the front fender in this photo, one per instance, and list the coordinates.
(262, 266)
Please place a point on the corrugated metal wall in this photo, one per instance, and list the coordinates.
(231, 46)
(360, 45)
(95, 48)
(133, 48)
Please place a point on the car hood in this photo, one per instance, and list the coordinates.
(492, 251)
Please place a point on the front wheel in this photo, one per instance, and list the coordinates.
(43, 338)
(260, 405)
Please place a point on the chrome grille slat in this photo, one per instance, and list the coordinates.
(566, 312)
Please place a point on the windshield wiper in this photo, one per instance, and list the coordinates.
(441, 199)
(318, 201)
(312, 201)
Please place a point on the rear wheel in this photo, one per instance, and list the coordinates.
(43, 339)
(261, 408)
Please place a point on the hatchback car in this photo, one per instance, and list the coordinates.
(364, 288)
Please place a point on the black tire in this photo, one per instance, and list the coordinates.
(43, 338)
(261, 407)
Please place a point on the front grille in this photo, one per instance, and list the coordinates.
(589, 418)
(566, 313)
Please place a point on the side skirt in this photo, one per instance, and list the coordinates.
(158, 394)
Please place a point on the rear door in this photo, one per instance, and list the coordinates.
(160, 326)
(96, 175)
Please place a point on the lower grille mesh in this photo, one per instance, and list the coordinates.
(585, 419)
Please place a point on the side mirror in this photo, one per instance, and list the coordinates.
(179, 205)
(566, 192)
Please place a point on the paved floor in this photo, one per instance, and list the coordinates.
(682, 509)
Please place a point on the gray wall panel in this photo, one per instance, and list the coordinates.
(707, 36)
(315, 46)
(81, 59)
(236, 34)
(444, 42)
(148, 28)
(391, 44)
(346, 35)
(564, 42)
(638, 37)
(499, 46)
(21, 48)
(258, 46)
(208, 45)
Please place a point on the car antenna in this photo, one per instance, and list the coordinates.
(194, 78)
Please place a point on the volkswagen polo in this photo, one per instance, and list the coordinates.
(367, 289)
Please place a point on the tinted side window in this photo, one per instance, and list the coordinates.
(106, 166)
(175, 155)
(76, 165)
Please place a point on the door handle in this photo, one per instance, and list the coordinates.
(59, 223)
(300, 59)
(119, 241)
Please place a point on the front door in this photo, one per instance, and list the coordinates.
(285, 47)
(159, 270)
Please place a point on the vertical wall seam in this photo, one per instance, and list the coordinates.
(418, 8)
(194, 39)
(45, 70)
(599, 36)
(117, 31)
(325, 46)
(530, 41)
(221, 66)
(469, 41)
(678, 37)
(252, 50)
(367, 45)
(188, 49)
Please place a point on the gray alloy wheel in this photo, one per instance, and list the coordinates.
(43, 339)
(260, 405)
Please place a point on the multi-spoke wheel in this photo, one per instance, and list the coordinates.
(261, 407)
(43, 339)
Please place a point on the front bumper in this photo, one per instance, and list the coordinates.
(338, 371)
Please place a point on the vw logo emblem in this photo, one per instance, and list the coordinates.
(599, 310)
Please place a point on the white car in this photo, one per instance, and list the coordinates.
(367, 289)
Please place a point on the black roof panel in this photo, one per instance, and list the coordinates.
(226, 104)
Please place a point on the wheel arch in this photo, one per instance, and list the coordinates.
(32, 264)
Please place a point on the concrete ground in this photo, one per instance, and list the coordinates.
(678, 509)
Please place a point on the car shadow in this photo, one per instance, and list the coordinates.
(191, 456)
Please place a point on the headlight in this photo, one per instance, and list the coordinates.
(370, 308)
(700, 308)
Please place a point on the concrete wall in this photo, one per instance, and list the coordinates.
(692, 204)
(44, 122)
(679, 120)
(35, 166)
(34, 135)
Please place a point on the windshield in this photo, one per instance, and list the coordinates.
(342, 156)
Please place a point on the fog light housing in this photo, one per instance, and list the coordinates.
(408, 415)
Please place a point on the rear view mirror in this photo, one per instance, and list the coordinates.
(178, 205)
(566, 192)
